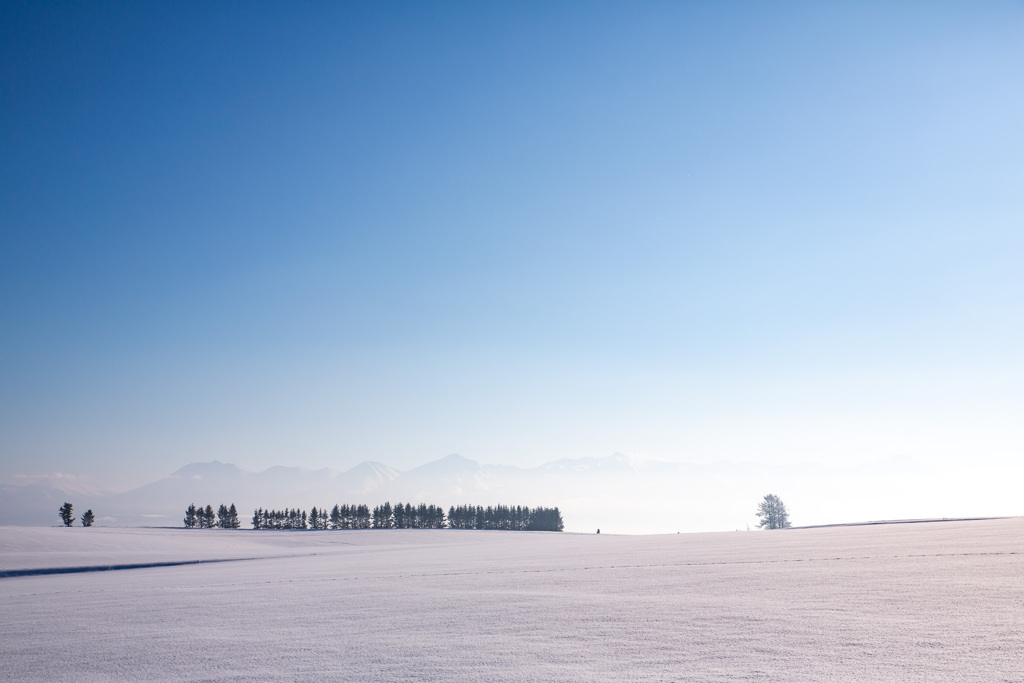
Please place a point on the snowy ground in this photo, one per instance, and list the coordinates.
(938, 601)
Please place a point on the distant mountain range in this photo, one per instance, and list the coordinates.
(618, 492)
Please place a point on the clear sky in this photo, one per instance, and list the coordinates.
(320, 233)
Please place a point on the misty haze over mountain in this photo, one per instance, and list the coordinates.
(618, 493)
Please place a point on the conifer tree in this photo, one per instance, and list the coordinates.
(191, 518)
(65, 514)
(88, 518)
(233, 522)
(382, 517)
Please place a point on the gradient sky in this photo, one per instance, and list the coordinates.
(315, 234)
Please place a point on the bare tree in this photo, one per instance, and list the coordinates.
(772, 512)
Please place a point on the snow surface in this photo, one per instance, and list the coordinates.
(936, 601)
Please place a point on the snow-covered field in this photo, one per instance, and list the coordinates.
(938, 601)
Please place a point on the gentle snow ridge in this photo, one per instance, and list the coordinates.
(909, 602)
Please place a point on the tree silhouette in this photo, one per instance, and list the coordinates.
(65, 514)
(772, 512)
(191, 517)
(318, 518)
(88, 518)
(382, 517)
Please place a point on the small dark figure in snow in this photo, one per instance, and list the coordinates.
(598, 531)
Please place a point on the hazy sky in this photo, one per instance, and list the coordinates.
(315, 234)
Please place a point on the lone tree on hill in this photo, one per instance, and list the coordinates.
(772, 512)
(65, 514)
(88, 518)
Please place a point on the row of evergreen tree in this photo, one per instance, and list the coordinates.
(386, 516)
(408, 517)
(288, 519)
(505, 517)
(204, 518)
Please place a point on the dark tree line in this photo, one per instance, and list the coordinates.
(281, 519)
(505, 517)
(204, 518)
(407, 516)
(386, 516)
(350, 517)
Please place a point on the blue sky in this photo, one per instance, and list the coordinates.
(315, 234)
